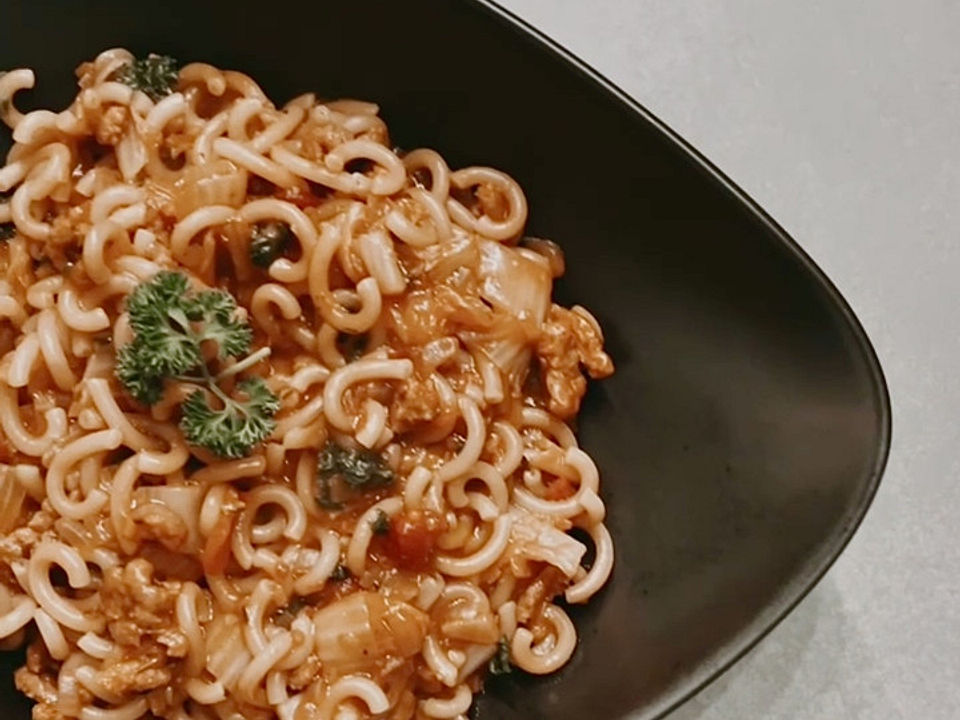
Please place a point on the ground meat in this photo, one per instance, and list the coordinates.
(37, 680)
(568, 342)
(158, 522)
(175, 642)
(38, 659)
(112, 124)
(135, 604)
(146, 671)
(16, 544)
(413, 210)
(416, 401)
(172, 565)
(42, 520)
(43, 711)
(35, 686)
(125, 632)
(318, 140)
(439, 311)
(491, 202)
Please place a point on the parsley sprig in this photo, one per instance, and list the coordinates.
(240, 425)
(172, 325)
(156, 75)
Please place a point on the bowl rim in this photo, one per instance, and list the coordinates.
(814, 570)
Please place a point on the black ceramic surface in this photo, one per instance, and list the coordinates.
(746, 428)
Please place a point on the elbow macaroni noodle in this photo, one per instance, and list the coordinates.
(153, 577)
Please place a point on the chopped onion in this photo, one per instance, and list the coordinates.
(228, 655)
(216, 183)
(515, 280)
(534, 537)
(517, 283)
(361, 628)
(443, 259)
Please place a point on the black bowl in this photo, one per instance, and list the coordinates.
(747, 426)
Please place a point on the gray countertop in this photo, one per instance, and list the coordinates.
(842, 119)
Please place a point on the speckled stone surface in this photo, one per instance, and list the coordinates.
(842, 118)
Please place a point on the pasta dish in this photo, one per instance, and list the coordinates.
(285, 411)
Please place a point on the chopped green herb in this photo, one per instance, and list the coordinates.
(156, 75)
(232, 431)
(268, 241)
(7, 231)
(500, 663)
(285, 616)
(360, 469)
(341, 470)
(381, 523)
(171, 324)
(340, 573)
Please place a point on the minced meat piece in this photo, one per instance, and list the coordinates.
(568, 343)
(416, 401)
(112, 125)
(137, 605)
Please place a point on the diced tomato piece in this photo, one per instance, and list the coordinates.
(412, 538)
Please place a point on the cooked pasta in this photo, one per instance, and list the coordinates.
(284, 411)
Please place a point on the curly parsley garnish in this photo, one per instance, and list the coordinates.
(156, 75)
(171, 324)
(233, 430)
